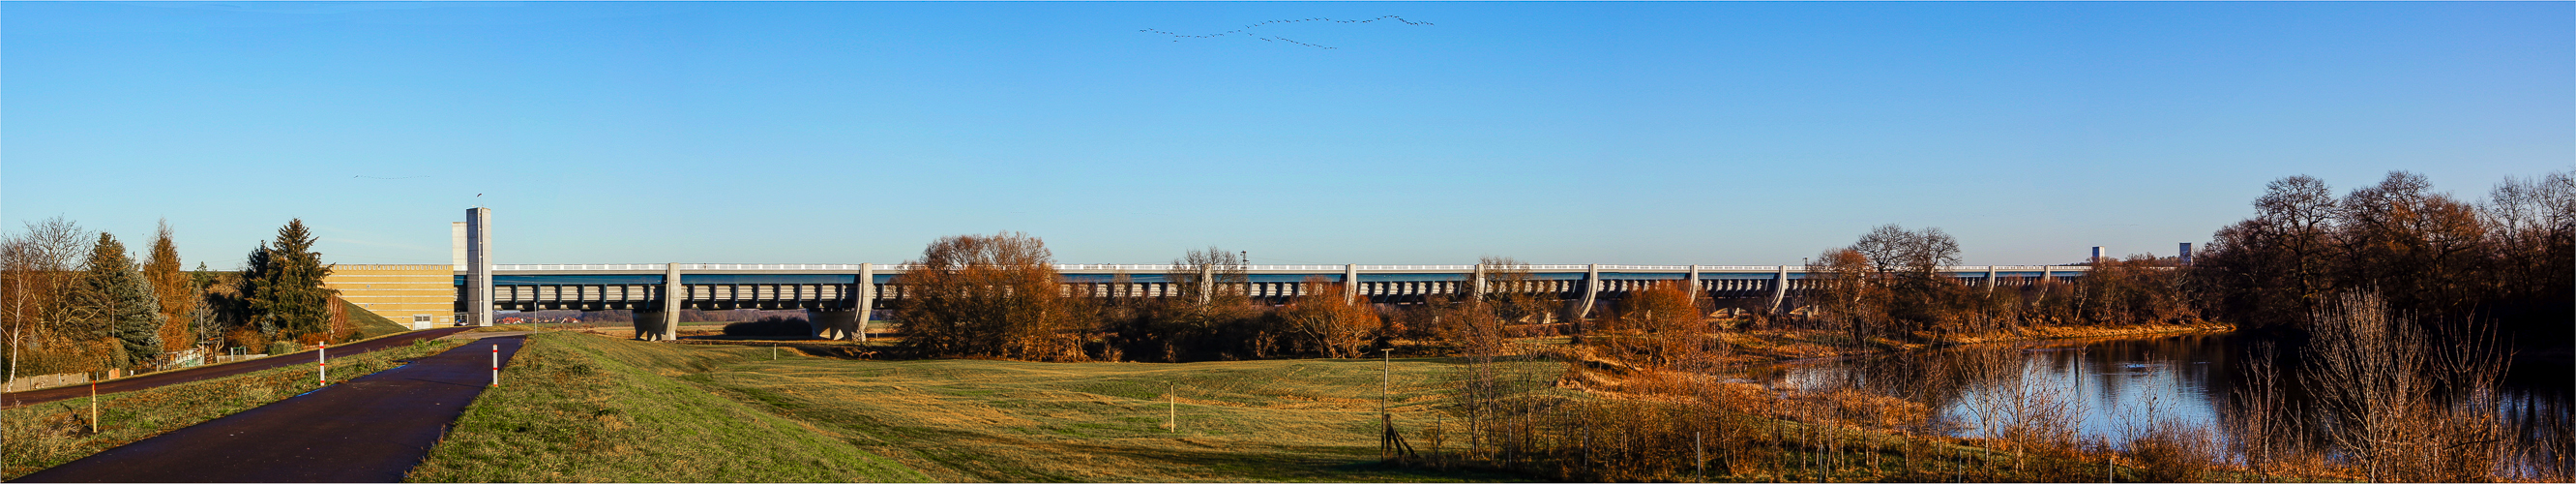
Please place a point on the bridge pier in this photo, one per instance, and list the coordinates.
(649, 324)
(865, 290)
(1350, 283)
(1591, 289)
(1692, 284)
(840, 324)
(1779, 289)
(672, 294)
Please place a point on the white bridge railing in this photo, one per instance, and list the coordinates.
(1149, 268)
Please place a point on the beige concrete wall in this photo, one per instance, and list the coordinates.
(400, 292)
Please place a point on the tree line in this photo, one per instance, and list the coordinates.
(78, 301)
(2504, 262)
(2507, 261)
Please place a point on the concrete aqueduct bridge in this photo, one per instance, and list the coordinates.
(836, 297)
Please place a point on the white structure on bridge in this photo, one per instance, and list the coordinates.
(841, 296)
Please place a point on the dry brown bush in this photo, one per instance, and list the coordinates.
(989, 295)
(2173, 451)
(1329, 323)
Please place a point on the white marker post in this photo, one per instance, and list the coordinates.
(496, 365)
(322, 359)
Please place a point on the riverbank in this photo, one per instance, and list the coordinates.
(1758, 346)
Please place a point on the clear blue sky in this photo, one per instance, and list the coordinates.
(1639, 133)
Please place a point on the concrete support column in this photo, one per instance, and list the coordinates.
(1207, 283)
(1692, 283)
(1480, 282)
(672, 293)
(2042, 293)
(1779, 289)
(866, 292)
(1350, 283)
(1591, 290)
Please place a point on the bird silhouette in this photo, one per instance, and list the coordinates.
(1177, 37)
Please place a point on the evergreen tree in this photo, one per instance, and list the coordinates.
(283, 285)
(127, 309)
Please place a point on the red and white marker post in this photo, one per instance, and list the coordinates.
(496, 365)
(322, 357)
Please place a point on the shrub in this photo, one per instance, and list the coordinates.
(771, 326)
(996, 295)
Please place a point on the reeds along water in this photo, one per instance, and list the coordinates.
(2222, 408)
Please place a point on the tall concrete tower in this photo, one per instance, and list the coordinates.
(478, 265)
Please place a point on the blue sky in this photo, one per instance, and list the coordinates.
(1635, 133)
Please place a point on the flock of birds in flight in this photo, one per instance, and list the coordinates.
(1180, 36)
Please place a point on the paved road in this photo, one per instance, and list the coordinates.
(372, 429)
(32, 397)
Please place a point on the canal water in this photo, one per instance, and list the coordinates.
(2110, 387)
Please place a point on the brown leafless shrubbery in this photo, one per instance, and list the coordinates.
(2396, 404)
(1322, 321)
(38, 276)
(2026, 417)
(2175, 451)
(1660, 326)
(990, 295)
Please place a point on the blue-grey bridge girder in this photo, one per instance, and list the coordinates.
(832, 287)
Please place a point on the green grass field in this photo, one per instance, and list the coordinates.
(582, 408)
(602, 404)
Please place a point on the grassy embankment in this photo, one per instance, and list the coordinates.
(575, 407)
(46, 435)
(612, 409)
(371, 325)
(984, 420)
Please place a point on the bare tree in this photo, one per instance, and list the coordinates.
(39, 282)
(1846, 290)
(1334, 326)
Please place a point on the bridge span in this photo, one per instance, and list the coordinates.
(837, 297)
(840, 298)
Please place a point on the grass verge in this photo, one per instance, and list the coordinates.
(371, 325)
(47, 435)
(580, 408)
(1008, 421)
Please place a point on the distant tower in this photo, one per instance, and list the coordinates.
(2097, 256)
(456, 244)
(2185, 254)
(478, 265)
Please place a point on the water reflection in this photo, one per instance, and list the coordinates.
(2107, 389)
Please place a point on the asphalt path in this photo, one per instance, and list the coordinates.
(371, 429)
(32, 397)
